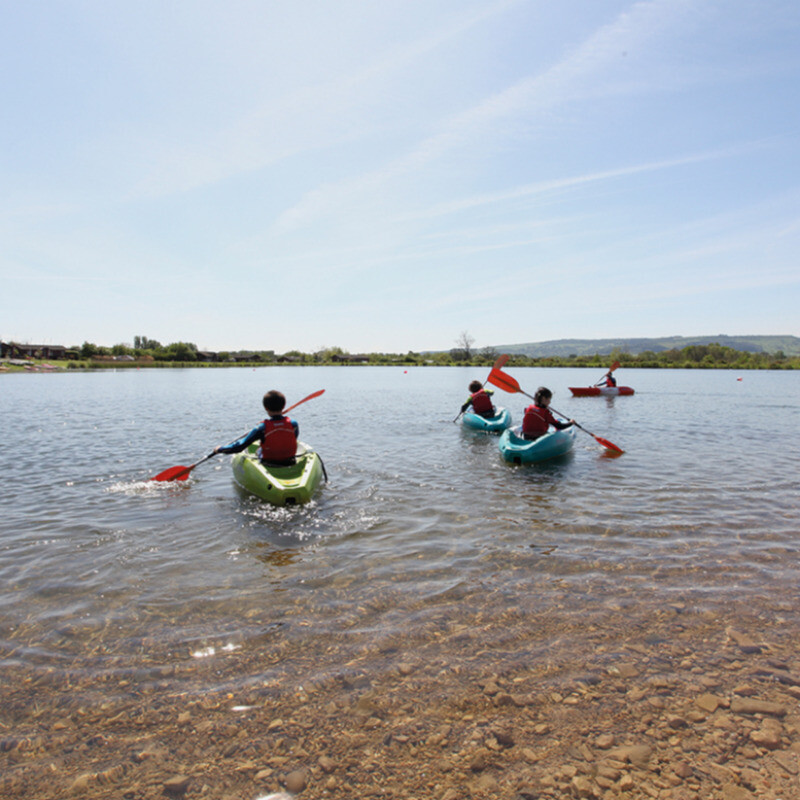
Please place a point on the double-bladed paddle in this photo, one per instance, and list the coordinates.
(181, 473)
(500, 362)
(509, 384)
(299, 402)
(614, 366)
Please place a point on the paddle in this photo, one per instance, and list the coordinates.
(599, 439)
(614, 366)
(181, 473)
(509, 384)
(500, 362)
(505, 382)
(310, 397)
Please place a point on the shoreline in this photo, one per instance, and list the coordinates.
(672, 702)
(73, 366)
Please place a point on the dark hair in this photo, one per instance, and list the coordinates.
(274, 402)
(541, 393)
(475, 386)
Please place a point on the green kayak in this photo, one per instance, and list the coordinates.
(280, 485)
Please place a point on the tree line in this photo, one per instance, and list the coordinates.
(710, 356)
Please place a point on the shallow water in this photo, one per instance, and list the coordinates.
(420, 517)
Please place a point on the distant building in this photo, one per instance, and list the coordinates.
(14, 350)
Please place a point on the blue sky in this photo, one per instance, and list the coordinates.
(383, 176)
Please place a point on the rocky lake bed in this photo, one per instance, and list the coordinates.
(689, 704)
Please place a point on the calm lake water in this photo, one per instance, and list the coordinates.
(100, 565)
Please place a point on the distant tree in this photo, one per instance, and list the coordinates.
(143, 343)
(182, 351)
(89, 349)
(465, 342)
(327, 353)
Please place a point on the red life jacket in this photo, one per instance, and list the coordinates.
(279, 442)
(482, 404)
(536, 420)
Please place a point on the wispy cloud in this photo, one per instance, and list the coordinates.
(575, 76)
(312, 118)
(544, 187)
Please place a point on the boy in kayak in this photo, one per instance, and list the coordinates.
(608, 380)
(538, 416)
(278, 434)
(480, 399)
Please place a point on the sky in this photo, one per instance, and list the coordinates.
(386, 176)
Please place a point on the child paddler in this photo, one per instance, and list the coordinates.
(277, 434)
(480, 399)
(538, 417)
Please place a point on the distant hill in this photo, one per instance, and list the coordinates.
(790, 345)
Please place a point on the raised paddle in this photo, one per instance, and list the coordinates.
(500, 362)
(310, 397)
(181, 473)
(509, 384)
(505, 382)
(614, 366)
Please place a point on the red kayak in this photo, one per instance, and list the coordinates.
(599, 391)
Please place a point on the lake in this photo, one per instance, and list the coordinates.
(108, 580)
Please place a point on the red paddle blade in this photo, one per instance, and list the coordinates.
(310, 397)
(614, 366)
(179, 473)
(503, 381)
(501, 362)
(608, 445)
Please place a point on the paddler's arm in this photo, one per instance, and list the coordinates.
(245, 441)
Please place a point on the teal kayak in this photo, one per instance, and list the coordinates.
(499, 422)
(280, 485)
(526, 451)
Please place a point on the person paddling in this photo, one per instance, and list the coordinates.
(608, 380)
(480, 399)
(538, 416)
(277, 434)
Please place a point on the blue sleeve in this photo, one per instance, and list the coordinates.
(296, 428)
(240, 444)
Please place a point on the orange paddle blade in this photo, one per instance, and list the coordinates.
(501, 361)
(608, 445)
(179, 473)
(503, 381)
(310, 397)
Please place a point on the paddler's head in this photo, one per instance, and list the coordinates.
(274, 402)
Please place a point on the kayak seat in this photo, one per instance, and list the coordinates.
(289, 462)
